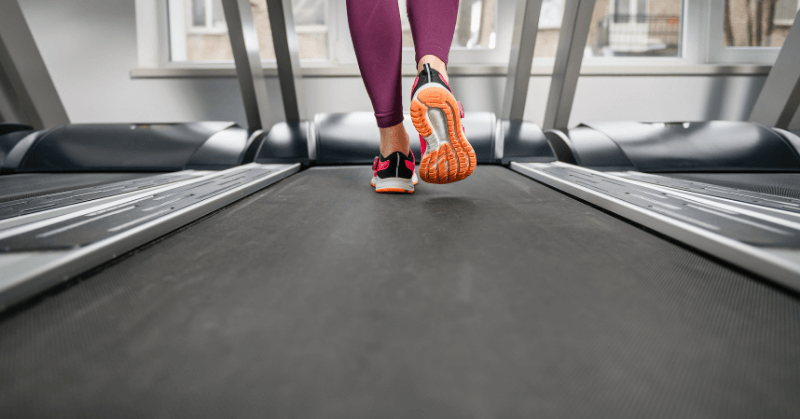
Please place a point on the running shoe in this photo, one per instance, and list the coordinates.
(394, 173)
(447, 156)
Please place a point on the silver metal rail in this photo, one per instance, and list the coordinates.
(27, 93)
(246, 54)
(523, 43)
(284, 39)
(567, 67)
(779, 99)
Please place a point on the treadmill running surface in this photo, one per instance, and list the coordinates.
(492, 297)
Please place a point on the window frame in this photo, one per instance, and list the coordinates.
(701, 51)
(718, 53)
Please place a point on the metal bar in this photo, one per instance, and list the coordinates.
(284, 39)
(567, 67)
(523, 43)
(246, 54)
(26, 84)
(780, 98)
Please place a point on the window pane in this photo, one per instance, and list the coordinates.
(475, 25)
(619, 28)
(751, 23)
(198, 12)
(212, 43)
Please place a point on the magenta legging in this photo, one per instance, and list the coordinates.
(377, 38)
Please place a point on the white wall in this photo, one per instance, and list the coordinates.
(89, 47)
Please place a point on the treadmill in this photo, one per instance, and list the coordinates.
(284, 287)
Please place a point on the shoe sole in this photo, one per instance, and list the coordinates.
(393, 185)
(413, 178)
(447, 159)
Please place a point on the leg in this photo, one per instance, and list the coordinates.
(447, 154)
(377, 39)
(432, 25)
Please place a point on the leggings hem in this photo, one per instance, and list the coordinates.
(436, 50)
(389, 120)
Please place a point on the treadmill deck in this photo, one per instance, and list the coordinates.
(495, 296)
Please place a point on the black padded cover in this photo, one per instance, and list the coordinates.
(723, 146)
(136, 147)
(522, 141)
(354, 137)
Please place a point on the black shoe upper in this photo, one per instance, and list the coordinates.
(394, 165)
(428, 75)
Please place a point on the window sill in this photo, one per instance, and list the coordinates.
(226, 70)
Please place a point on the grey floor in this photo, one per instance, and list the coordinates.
(491, 297)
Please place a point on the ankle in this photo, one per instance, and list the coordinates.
(436, 64)
(394, 138)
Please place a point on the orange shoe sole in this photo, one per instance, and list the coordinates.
(392, 190)
(453, 160)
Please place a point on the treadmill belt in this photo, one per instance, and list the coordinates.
(492, 297)
(781, 184)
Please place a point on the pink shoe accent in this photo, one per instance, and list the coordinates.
(410, 165)
(445, 82)
(375, 166)
(460, 109)
(416, 80)
(413, 159)
(383, 165)
(423, 145)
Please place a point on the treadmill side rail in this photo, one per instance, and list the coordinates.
(766, 245)
(44, 254)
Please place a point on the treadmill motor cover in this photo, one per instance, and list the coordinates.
(135, 147)
(722, 146)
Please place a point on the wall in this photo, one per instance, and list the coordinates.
(89, 47)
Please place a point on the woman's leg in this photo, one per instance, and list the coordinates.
(447, 155)
(377, 38)
(433, 23)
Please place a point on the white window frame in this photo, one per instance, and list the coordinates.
(701, 48)
(718, 53)
(690, 53)
(504, 12)
(208, 27)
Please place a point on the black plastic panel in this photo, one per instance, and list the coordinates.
(136, 147)
(523, 142)
(589, 148)
(691, 146)
(354, 137)
(9, 140)
(286, 142)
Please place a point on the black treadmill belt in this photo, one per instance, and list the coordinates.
(27, 185)
(492, 297)
(781, 184)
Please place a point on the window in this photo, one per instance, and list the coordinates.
(198, 31)
(622, 32)
(749, 31)
(619, 28)
(475, 26)
(763, 23)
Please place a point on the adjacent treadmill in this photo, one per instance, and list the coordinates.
(282, 286)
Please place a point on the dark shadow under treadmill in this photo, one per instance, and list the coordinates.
(491, 297)
(781, 184)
